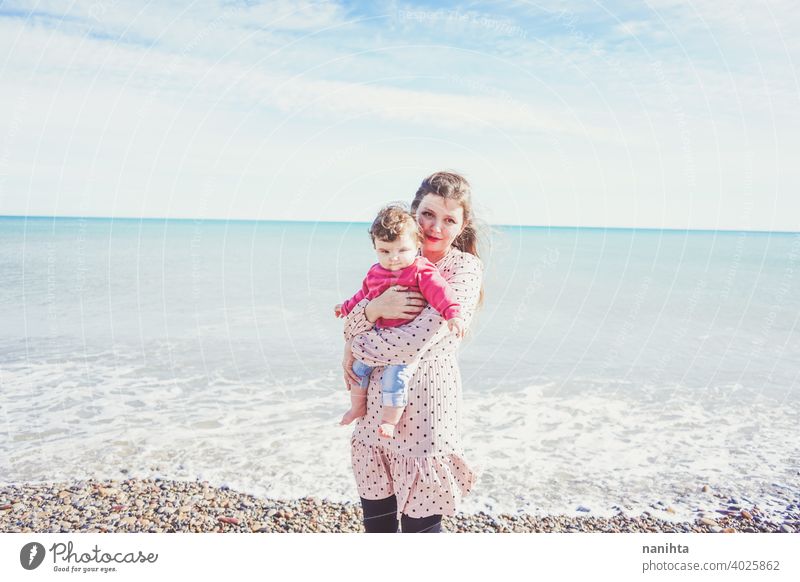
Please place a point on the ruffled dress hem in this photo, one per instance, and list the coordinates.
(425, 485)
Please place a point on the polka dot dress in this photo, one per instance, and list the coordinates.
(423, 464)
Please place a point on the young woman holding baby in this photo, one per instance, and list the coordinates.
(411, 472)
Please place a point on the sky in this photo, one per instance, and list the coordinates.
(654, 114)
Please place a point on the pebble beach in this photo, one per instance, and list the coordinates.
(156, 505)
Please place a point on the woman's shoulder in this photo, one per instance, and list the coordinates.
(458, 261)
(464, 260)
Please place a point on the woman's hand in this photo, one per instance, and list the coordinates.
(395, 303)
(350, 377)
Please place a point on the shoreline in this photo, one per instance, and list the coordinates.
(159, 505)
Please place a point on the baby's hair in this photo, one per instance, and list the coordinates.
(392, 222)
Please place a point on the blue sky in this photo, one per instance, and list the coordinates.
(658, 114)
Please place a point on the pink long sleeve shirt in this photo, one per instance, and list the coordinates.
(421, 275)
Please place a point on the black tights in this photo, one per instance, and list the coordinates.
(380, 516)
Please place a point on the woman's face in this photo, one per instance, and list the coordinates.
(441, 221)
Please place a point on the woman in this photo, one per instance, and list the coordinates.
(420, 475)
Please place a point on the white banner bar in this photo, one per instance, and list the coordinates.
(121, 557)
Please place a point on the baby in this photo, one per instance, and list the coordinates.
(397, 240)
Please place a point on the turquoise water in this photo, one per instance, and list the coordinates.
(208, 348)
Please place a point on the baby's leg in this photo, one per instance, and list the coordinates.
(390, 416)
(394, 397)
(362, 371)
(358, 406)
(358, 396)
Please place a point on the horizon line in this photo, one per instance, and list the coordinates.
(532, 226)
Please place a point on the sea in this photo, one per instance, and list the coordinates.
(608, 371)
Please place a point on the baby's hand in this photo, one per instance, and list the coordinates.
(338, 310)
(456, 325)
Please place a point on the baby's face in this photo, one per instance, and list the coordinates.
(398, 254)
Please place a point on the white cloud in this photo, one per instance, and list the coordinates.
(56, 58)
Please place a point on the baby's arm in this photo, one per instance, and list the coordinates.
(457, 326)
(342, 309)
(441, 296)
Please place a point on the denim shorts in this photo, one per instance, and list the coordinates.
(394, 384)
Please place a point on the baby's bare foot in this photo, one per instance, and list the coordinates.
(351, 415)
(386, 430)
(358, 406)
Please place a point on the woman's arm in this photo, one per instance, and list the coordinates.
(395, 303)
(356, 321)
(403, 344)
